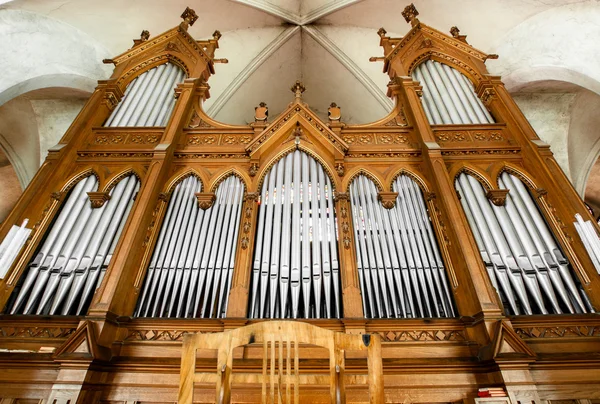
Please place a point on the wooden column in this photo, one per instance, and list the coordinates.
(350, 289)
(473, 292)
(558, 200)
(240, 286)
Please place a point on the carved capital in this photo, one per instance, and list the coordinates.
(387, 199)
(98, 199)
(341, 196)
(205, 199)
(251, 196)
(497, 196)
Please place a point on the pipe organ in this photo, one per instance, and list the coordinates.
(449, 96)
(400, 268)
(445, 228)
(192, 264)
(296, 270)
(524, 262)
(148, 99)
(73, 258)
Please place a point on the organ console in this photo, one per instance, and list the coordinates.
(446, 228)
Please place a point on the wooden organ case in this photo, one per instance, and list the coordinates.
(446, 228)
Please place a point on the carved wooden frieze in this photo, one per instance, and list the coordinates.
(218, 139)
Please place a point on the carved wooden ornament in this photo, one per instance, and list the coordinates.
(387, 199)
(205, 199)
(98, 199)
(497, 196)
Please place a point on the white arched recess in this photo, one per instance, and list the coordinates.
(524, 262)
(295, 271)
(400, 267)
(148, 99)
(449, 96)
(78, 247)
(192, 266)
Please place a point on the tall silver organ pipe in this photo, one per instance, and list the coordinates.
(148, 99)
(295, 271)
(70, 264)
(449, 96)
(522, 258)
(191, 268)
(400, 268)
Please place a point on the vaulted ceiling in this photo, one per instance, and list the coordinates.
(270, 44)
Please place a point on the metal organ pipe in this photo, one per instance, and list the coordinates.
(148, 99)
(61, 278)
(296, 266)
(400, 268)
(449, 96)
(516, 241)
(190, 270)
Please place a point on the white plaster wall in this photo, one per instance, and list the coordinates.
(584, 137)
(39, 52)
(240, 47)
(550, 116)
(557, 44)
(53, 118)
(19, 138)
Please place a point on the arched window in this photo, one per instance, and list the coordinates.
(73, 257)
(192, 265)
(148, 99)
(295, 271)
(400, 268)
(449, 96)
(522, 259)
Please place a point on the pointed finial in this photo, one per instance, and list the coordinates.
(298, 88)
(381, 32)
(261, 113)
(334, 112)
(217, 35)
(455, 32)
(144, 35)
(410, 14)
(189, 18)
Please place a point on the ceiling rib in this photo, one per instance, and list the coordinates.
(250, 68)
(272, 9)
(345, 60)
(324, 10)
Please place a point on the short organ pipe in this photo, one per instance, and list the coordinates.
(149, 98)
(526, 252)
(449, 96)
(61, 278)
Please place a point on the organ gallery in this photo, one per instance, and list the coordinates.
(437, 255)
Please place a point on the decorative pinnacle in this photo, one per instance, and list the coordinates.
(410, 14)
(144, 35)
(455, 31)
(298, 88)
(381, 32)
(217, 35)
(189, 18)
